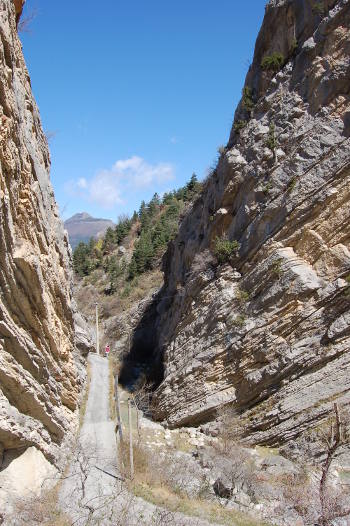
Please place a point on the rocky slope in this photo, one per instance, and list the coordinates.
(268, 333)
(40, 381)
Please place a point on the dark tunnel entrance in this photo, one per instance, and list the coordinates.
(144, 362)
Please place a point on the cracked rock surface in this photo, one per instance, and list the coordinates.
(269, 331)
(40, 380)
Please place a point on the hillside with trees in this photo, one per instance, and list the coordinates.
(109, 270)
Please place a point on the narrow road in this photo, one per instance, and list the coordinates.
(93, 477)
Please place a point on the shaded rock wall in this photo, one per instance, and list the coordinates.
(39, 380)
(269, 332)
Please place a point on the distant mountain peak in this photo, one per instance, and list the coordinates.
(81, 216)
(82, 226)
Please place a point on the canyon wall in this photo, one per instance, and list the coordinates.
(41, 369)
(267, 332)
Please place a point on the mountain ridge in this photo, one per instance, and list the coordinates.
(82, 226)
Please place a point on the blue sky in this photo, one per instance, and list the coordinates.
(139, 94)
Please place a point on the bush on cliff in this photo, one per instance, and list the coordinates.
(273, 62)
(224, 249)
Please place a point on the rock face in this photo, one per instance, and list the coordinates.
(39, 380)
(269, 331)
(19, 4)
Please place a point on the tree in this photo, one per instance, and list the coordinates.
(109, 240)
(192, 187)
(82, 259)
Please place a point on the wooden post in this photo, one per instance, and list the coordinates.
(130, 441)
(97, 331)
(137, 416)
(116, 390)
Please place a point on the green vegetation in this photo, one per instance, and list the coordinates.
(89, 256)
(247, 99)
(277, 267)
(347, 290)
(242, 296)
(294, 47)
(224, 249)
(273, 62)
(292, 184)
(154, 225)
(159, 225)
(239, 320)
(267, 188)
(271, 140)
(318, 8)
(239, 125)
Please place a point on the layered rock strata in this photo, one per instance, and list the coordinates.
(268, 332)
(39, 381)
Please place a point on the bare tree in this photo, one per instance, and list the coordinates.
(318, 497)
(25, 22)
(331, 508)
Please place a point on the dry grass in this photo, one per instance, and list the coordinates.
(42, 510)
(159, 481)
(161, 495)
(91, 290)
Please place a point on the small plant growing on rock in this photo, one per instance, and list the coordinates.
(271, 140)
(239, 321)
(267, 188)
(242, 296)
(239, 125)
(318, 8)
(222, 150)
(277, 268)
(224, 249)
(292, 185)
(347, 290)
(273, 62)
(294, 47)
(247, 99)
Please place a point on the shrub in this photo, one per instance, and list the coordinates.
(242, 296)
(271, 140)
(239, 321)
(222, 150)
(347, 290)
(294, 47)
(224, 249)
(239, 125)
(277, 267)
(247, 99)
(318, 8)
(292, 184)
(267, 188)
(272, 62)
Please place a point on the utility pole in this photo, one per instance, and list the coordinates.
(130, 442)
(97, 334)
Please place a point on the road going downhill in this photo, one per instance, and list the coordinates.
(91, 483)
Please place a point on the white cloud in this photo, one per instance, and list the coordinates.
(110, 187)
(82, 183)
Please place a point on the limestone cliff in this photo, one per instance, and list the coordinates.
(269, 331)
(39, 380)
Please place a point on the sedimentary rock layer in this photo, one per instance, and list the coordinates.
(268, 333)
(39, 385)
